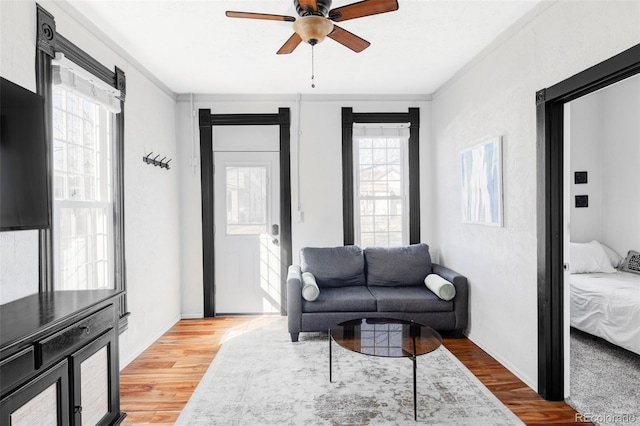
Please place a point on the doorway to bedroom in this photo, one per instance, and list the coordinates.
(553, 324)
(601, 227)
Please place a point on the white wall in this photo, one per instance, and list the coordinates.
(605, 129)
(316, 170)
(621, 166)
(152, 200)
(586, 138)
(495, 94)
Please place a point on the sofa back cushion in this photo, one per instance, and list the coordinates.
(397, 266)
(334, 266)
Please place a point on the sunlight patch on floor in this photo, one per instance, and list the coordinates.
(266, 322)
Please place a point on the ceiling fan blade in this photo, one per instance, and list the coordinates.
(348, 39)
(309, 5)
(290, 45)
(362, 8)
(266, 16)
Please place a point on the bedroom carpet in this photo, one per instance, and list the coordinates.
(604, 381)
(261, 378)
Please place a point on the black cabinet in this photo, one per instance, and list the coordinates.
(59, 359)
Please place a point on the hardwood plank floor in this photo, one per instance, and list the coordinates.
(158, 384)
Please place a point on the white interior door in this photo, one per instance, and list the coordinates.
(247, 232)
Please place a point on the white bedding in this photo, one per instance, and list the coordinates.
(608, 306)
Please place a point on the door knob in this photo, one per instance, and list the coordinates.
(275, 242)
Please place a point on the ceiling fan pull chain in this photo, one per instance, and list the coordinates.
(313, 84)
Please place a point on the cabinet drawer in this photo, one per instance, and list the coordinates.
(17, 367)
(83, 331)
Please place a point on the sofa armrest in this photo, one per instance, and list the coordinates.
(461, 300)
(294, 299)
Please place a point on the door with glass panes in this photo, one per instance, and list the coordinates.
(247, 233)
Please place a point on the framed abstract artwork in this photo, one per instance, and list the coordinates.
(481, 167)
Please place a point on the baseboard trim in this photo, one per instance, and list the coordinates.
(192, 316)
(506, 364)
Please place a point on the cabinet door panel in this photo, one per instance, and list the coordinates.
(94, 387)
(42, 401)
(42, 409)
(95, 377)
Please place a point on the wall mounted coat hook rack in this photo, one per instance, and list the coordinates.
(154, 161)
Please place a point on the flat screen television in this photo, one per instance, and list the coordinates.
(24, 182)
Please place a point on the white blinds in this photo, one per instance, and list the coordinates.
(382, 130)
(76, 79)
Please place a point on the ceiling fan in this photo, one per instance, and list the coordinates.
(316, 21)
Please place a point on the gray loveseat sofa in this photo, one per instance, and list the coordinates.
(377, 282)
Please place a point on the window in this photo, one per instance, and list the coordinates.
(382, 207)
(381, 182)
(246, 200)
(82, 187)
(84, 248)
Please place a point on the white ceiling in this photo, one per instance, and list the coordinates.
(192, 47)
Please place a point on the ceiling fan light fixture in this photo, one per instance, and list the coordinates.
(313, 29)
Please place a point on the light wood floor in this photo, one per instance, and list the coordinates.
(158, 384)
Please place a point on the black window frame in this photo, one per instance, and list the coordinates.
(48, 43)
(349, 118)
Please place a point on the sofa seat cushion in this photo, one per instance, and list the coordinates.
(344, 299)
(397, 266)
(409, 299)
(334, 266)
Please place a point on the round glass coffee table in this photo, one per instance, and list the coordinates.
(386, 337)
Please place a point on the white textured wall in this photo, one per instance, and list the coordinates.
(18, 265)
(496, 95)
(621, 166)
(605, 129)
(152, 199)
(585, 119)
(316, 171)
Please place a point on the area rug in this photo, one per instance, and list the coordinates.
(604, 381)
(261, 378)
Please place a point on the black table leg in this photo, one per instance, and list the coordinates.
(330, 356)
(415, 402)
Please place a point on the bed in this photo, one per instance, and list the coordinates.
(607, 305)
(605, 294)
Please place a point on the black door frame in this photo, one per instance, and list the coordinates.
(550, 162)
(206, 123)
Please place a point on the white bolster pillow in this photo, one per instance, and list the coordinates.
(441, 287)
(310, 290)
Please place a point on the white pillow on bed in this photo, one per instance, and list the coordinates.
(615, 258)
(585, 258)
